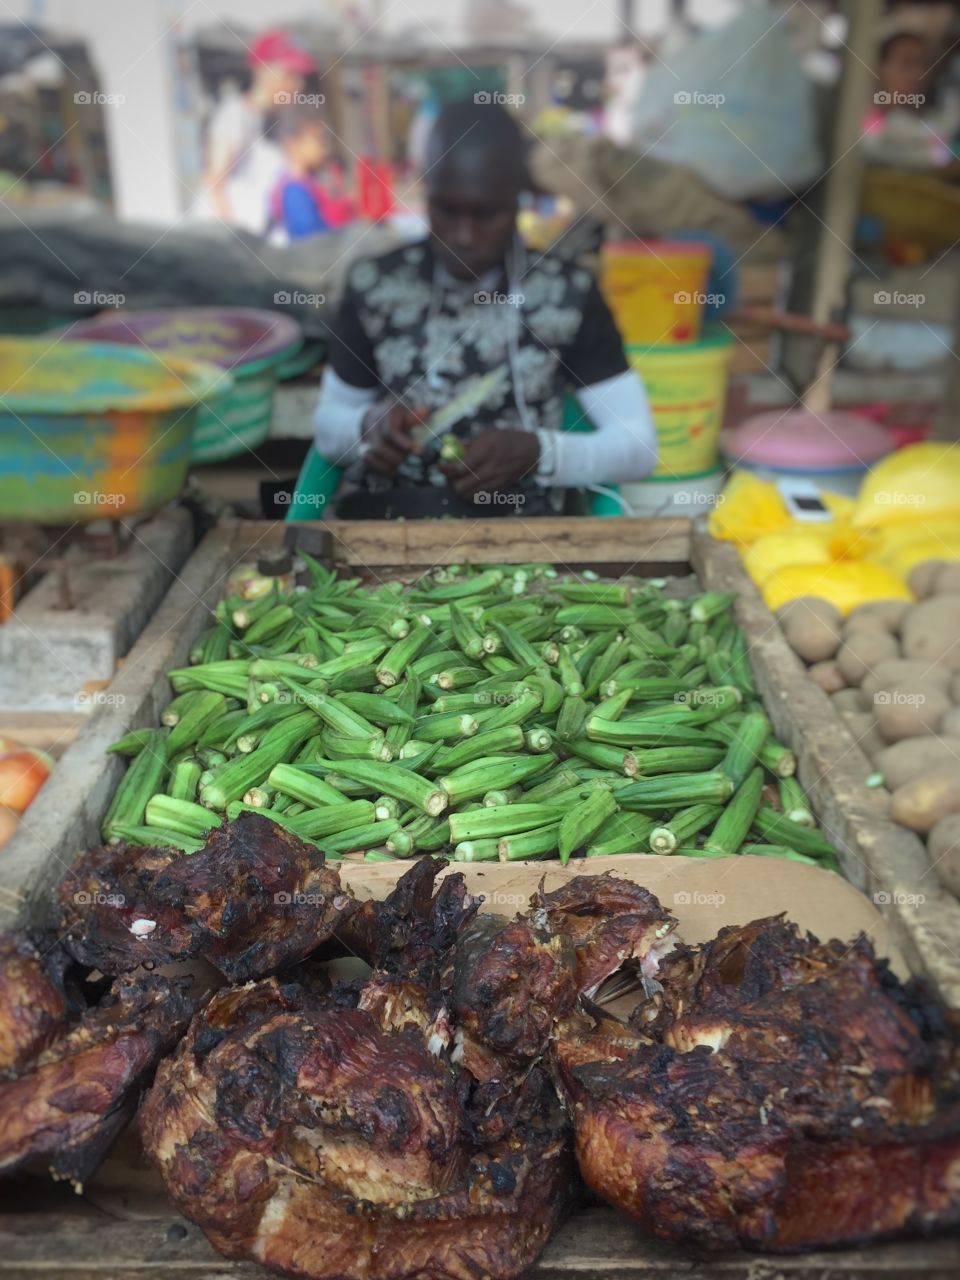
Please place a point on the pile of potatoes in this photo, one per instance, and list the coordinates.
(892, 670)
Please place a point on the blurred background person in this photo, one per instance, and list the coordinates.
(310, 196)
(243, 161)
(912, 120)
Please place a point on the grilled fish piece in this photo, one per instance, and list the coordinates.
(335, 1143)
(37, 1001)
(612, 924)
(73, 1098)
(741, 964)
(801, 1097)
(254, 900)
(411, 929)
(513, 981)
(509, 983)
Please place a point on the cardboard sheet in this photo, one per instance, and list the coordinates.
(703, 893)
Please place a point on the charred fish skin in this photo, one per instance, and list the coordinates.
(323, 1146)
(38, 1000)
(340, 1136)
(515, 981)
(66, 1108)
(510, 982)
(611, 923)
(254, 900)
(413, 929)
(794, 1098)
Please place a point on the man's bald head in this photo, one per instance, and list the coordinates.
(475, 145)
(476, 170)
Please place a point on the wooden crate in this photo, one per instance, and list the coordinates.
(66, 1239)
(66, 815)
(46, 1230)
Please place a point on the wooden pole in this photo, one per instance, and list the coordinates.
(842, 199)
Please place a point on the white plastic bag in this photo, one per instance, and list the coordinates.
(735, 106)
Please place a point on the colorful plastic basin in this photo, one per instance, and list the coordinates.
(253, 344)
(93, 430)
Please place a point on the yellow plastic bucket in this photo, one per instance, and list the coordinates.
(656, 289)
(687, 388)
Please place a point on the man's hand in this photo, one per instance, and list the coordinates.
(386, 440)
(493, 460)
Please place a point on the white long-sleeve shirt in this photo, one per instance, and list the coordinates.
(621, 449)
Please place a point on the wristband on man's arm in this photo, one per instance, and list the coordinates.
(547, 463)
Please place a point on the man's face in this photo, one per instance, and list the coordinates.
(470, 232)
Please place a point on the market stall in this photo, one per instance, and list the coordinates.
(126, 1204)
(480, 892)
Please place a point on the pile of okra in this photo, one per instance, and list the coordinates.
(490, 713)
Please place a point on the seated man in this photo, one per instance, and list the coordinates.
(468, 333)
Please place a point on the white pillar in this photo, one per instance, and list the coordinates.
(131, 49)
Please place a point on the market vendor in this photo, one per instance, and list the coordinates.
(470, 323)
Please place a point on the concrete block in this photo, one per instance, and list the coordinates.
(49, 654)
(65, 817)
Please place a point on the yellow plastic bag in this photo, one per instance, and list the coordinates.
(794, 545)
(902, 559)
(919, 483)
(899, 547)
(748, 508)
(845, 583)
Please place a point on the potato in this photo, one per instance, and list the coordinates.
(947, 580)
(913, 757)
(909, 710)
(922, 576)
(893, 671)
(921, 804)
(948, 869)
(828, 676)
(861, 651)
(812, 628)
(944, 845)
(931, 631)
(864, 729)
(848, 700)
(950, 723)
(887, 614)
